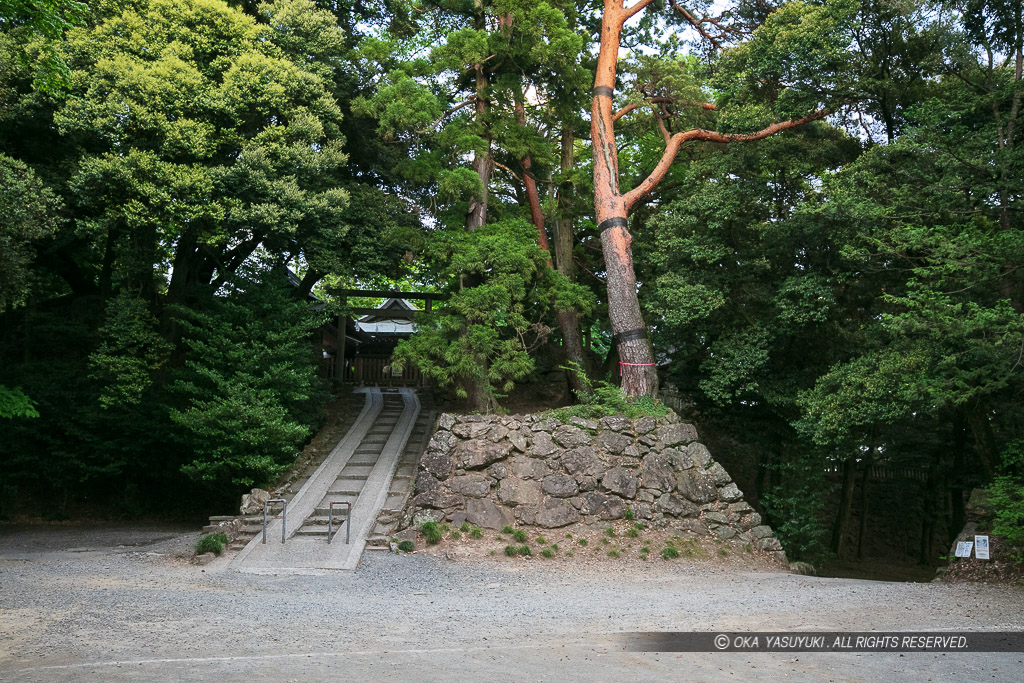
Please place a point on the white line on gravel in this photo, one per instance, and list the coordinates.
(301, 655)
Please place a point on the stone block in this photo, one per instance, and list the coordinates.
(560, 486)
(676, 506)
(719, 475)
(486, 514)
(581, 461)
(569, 436)
(515, 491)
(613, 442)
(655, 473)
(472, 485)
(676, 434)
(543, 445)
(438, 464)
(556, 512)
(620, 481)
(730, 493)
(478, 453)
(616, 423)
(696, 486)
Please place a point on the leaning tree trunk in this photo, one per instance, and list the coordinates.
(569, 320)
(636, 363)
(636, 358)
(478, 394)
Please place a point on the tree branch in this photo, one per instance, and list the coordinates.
(435, 124)
(632, 197)
(628, 12)
(660, 100)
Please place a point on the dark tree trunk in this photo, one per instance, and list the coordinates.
(842, 522)
(862, 533)
(568, 320)
(984, 440)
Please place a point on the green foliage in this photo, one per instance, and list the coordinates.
(481, 337)
(432, 532)
(518, 550)
(548, 552)
(794, 508)
(130, 351)
(519, 535)
(1006, 494)
(211, 543)
(14, 403)
(669, 552)
(29, 209)
(606, 399)
(406, 546)
(248, 389)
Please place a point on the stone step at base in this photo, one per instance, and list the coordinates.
(346, 492)
(378, 543)
(320, 513)
(321, 520)
(306, 531)
(351, 479)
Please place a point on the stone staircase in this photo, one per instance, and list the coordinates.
(349, 483)
(243, 528)
(385, 440)
(405, 477)
(352, 478)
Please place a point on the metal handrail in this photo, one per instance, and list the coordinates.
(330, 519)
(284, 517)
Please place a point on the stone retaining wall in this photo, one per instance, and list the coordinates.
(530, 470)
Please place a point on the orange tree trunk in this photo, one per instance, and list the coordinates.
(636, 357)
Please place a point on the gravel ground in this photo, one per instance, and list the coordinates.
(120, 603)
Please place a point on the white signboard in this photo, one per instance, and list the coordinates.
(963, 548)
(981, 547)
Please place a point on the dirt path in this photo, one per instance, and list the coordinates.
(114, 603)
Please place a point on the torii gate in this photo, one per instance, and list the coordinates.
(428, 305)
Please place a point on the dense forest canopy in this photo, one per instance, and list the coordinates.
(803, 217)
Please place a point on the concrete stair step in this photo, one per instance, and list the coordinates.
(351, 479)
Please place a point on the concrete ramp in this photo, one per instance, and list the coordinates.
(358, 471)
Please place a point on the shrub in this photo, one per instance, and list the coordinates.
(1007, 497)
(669, 553)
(519, 535)
(211, 543)
(606, 399)
(432, 532)
(476, 532)
(547, 552)
(406, 546)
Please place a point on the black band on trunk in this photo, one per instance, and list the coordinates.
(630, 335)
(616, 222)
(603, 91)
